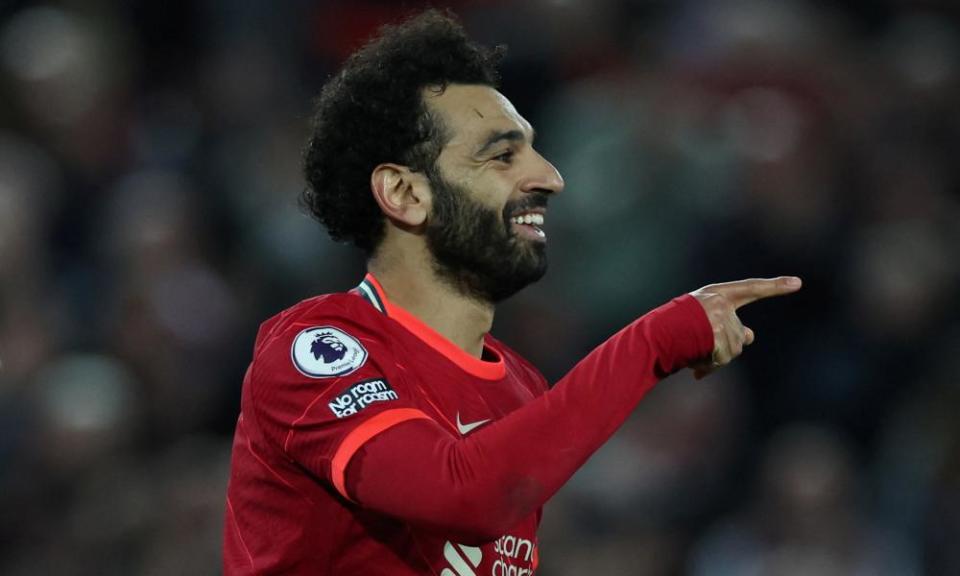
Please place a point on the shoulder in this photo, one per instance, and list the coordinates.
(321, 369)
(326, 336)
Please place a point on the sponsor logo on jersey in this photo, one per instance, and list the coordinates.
(326, 352)
(465, 560)
(510, 548)
(361, 395)
(462, 559)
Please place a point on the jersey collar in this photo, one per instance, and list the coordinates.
(371, 291)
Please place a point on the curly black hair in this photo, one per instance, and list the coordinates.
(372, 112)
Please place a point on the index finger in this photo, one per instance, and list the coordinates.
(743, 292)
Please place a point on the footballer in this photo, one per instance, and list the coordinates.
(383, 431)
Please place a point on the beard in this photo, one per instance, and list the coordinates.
(474, 248)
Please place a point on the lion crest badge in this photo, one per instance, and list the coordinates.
(327, 352)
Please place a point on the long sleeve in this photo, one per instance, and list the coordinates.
(480, 485)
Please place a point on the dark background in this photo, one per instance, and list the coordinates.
(149, 169)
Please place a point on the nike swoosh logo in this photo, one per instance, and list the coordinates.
(466, 428)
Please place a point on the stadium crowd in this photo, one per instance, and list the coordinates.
(150, 163)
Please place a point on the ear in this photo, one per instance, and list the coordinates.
(403, 195)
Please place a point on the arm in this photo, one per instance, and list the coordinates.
(480, 486)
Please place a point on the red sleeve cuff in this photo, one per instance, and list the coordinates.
(684, 333)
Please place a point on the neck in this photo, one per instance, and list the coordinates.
(412, 284)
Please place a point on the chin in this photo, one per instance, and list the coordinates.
(503, 287)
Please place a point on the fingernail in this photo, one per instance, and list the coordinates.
(793, 282)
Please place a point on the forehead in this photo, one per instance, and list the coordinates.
(470, 112)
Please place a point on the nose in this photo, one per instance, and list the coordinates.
(543, 176)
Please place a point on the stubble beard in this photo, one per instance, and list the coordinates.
(474, 248)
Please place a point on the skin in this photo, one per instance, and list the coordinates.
(496, 174)
(497, 171)
(721, 302)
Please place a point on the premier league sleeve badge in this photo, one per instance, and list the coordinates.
(326, 352)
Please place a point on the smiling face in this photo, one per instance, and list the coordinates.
(490, 190)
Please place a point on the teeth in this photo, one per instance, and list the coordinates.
(529, 219)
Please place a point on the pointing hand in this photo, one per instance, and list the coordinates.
(721, 301)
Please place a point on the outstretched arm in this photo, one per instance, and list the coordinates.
(480, 486)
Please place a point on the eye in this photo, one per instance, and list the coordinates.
(506, 157)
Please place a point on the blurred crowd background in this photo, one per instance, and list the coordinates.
(149, 172)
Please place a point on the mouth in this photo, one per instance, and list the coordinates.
(529, 224)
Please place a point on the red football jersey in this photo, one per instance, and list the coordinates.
(327, 375)
(369, 444)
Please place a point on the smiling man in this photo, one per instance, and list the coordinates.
(382, 429)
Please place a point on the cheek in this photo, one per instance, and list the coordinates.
(493, 193)
(500, 191)
(489, 187)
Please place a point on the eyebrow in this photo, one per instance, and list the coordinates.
(498, 136)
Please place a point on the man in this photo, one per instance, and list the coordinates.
(383, 430)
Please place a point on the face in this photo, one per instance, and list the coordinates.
(490, 191)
